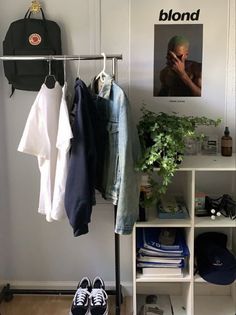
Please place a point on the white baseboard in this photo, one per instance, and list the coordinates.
(63, 285)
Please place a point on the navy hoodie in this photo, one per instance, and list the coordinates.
(80, 191)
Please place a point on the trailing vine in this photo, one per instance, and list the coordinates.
(162, 139)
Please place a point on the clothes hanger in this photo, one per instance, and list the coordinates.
(64, 70)
(50, 79)
(103, 73)
(78, 70)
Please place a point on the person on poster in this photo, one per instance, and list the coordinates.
(180, 77)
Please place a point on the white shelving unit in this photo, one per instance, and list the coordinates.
(191, 295)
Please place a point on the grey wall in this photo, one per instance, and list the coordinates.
(30, 248)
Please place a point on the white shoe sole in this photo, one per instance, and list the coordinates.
(106, 312)
(87, 313)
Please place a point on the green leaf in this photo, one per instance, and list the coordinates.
(162, 137)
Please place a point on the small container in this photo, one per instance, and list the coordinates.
(200, 200)
(191, 147)
(210, 145)
(146, 186)
(145, 193)
(142, 210)
(226, 143)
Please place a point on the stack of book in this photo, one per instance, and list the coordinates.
(172, 207)
(161, 251)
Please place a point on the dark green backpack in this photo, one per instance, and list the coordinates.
(32, 37)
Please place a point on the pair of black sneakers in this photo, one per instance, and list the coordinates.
(90, 298)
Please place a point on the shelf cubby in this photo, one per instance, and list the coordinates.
(180, 295)
(214, 299)
(192, 295)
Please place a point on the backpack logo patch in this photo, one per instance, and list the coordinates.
(35, 39)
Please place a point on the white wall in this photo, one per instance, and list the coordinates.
(30, 248)
(212, 102)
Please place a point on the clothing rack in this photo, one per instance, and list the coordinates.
(64, 57)
(7, 293)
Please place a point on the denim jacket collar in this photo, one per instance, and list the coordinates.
(106, 87)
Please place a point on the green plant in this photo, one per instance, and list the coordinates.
(162, 138)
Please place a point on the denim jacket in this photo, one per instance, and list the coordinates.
(118, 151)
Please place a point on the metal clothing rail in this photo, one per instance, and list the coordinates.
(7, 292)
(60, 57)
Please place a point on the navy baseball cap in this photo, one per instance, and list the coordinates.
(215, 263)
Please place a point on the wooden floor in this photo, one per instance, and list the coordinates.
(48, 305)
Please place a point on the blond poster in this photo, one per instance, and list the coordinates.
(178, 55)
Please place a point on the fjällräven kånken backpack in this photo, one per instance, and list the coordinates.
(29, 36)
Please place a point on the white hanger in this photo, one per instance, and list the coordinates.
(78, 69)
(103, 73)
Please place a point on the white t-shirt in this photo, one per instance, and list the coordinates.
(64, 135)
(47, 135)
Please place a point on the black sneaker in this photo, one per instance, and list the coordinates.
(98, 298)
(80, 304)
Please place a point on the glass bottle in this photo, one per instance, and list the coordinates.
(226, 143)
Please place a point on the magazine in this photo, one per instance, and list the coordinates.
(163, 260)
(162, 272)
(153, 253)
(158, 265)
(172, 207)
(154, 305)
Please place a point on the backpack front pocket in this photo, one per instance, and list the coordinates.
(32, 67)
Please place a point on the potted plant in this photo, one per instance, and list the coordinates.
(162, 139)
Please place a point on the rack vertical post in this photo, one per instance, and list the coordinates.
(117, 237)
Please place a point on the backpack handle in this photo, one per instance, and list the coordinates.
(28, 14)
(27, 17)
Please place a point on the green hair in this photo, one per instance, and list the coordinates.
(177, 40)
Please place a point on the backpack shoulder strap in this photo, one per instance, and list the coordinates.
(12, 90)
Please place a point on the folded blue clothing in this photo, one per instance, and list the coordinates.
(159, 265)
(154, 253)
(149, 239)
